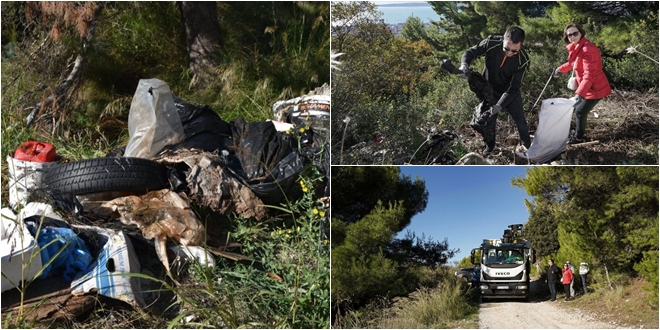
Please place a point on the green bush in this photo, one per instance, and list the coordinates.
(648, 268)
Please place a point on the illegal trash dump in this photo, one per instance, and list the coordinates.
(178, 153)
(552, 133)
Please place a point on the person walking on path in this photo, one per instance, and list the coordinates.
(584, 269)
(592, 84)
(553, 277)
(573, 280)
(566, 278)
(505, 65)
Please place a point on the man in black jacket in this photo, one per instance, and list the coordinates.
(506, 63)
(554, 274)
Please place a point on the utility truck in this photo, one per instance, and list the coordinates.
(505, 265)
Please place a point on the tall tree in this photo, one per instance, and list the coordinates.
(544, 209)
(602, 213)
(347, 17)
(359, 189)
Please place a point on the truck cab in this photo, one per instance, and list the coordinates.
(505, 266)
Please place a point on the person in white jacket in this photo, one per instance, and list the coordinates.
(584, 269)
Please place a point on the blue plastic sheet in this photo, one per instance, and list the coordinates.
(65, 249)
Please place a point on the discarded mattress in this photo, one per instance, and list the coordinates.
(552, 133)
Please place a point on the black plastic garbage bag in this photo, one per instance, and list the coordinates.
(478, 84)
(480, 122)
(269, 159)
(203, 128)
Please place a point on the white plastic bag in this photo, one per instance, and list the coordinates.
(153, 121)
(552, 133)
(572, 83)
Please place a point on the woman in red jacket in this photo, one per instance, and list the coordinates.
(566, 279)
(584, 58)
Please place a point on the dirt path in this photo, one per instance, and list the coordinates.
(539, 313)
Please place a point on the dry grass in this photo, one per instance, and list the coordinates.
(623, 307)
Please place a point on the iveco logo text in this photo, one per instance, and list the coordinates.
(507, 273)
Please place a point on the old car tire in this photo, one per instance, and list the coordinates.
(126, 174)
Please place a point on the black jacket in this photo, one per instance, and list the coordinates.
(504, 74)
(554, 274)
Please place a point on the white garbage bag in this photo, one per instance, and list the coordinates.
(153, 121)
(552, 133)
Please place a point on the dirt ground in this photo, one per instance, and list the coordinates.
(538, 313)
(625, 124)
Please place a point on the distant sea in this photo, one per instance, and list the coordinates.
(394, 13)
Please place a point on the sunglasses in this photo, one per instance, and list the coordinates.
(574, 34)
(507, 49)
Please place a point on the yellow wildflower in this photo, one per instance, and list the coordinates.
(325, 241)
(301, 130)
(322, 214)
(304, 189)
(315, 211)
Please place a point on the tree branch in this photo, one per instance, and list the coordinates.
(73, 75)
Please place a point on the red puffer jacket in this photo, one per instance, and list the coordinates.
(592, 82)
(566, 276)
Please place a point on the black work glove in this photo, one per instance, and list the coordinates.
(556, 74)
(578, 100)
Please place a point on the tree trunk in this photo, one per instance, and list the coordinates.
(200, 20)
(607, 274)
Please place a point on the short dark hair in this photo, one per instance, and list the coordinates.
(515, 35)
(575, 25)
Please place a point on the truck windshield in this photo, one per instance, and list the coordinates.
(503, 255)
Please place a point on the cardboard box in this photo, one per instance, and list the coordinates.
(109, 274)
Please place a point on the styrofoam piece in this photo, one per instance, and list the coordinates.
(197, 253)
(109, 274)
(24, 177)
(21, 258)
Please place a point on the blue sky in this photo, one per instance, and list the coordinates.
(468, 203)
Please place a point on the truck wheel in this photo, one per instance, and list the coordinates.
(126, 174)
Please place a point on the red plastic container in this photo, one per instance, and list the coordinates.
(33, 151)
